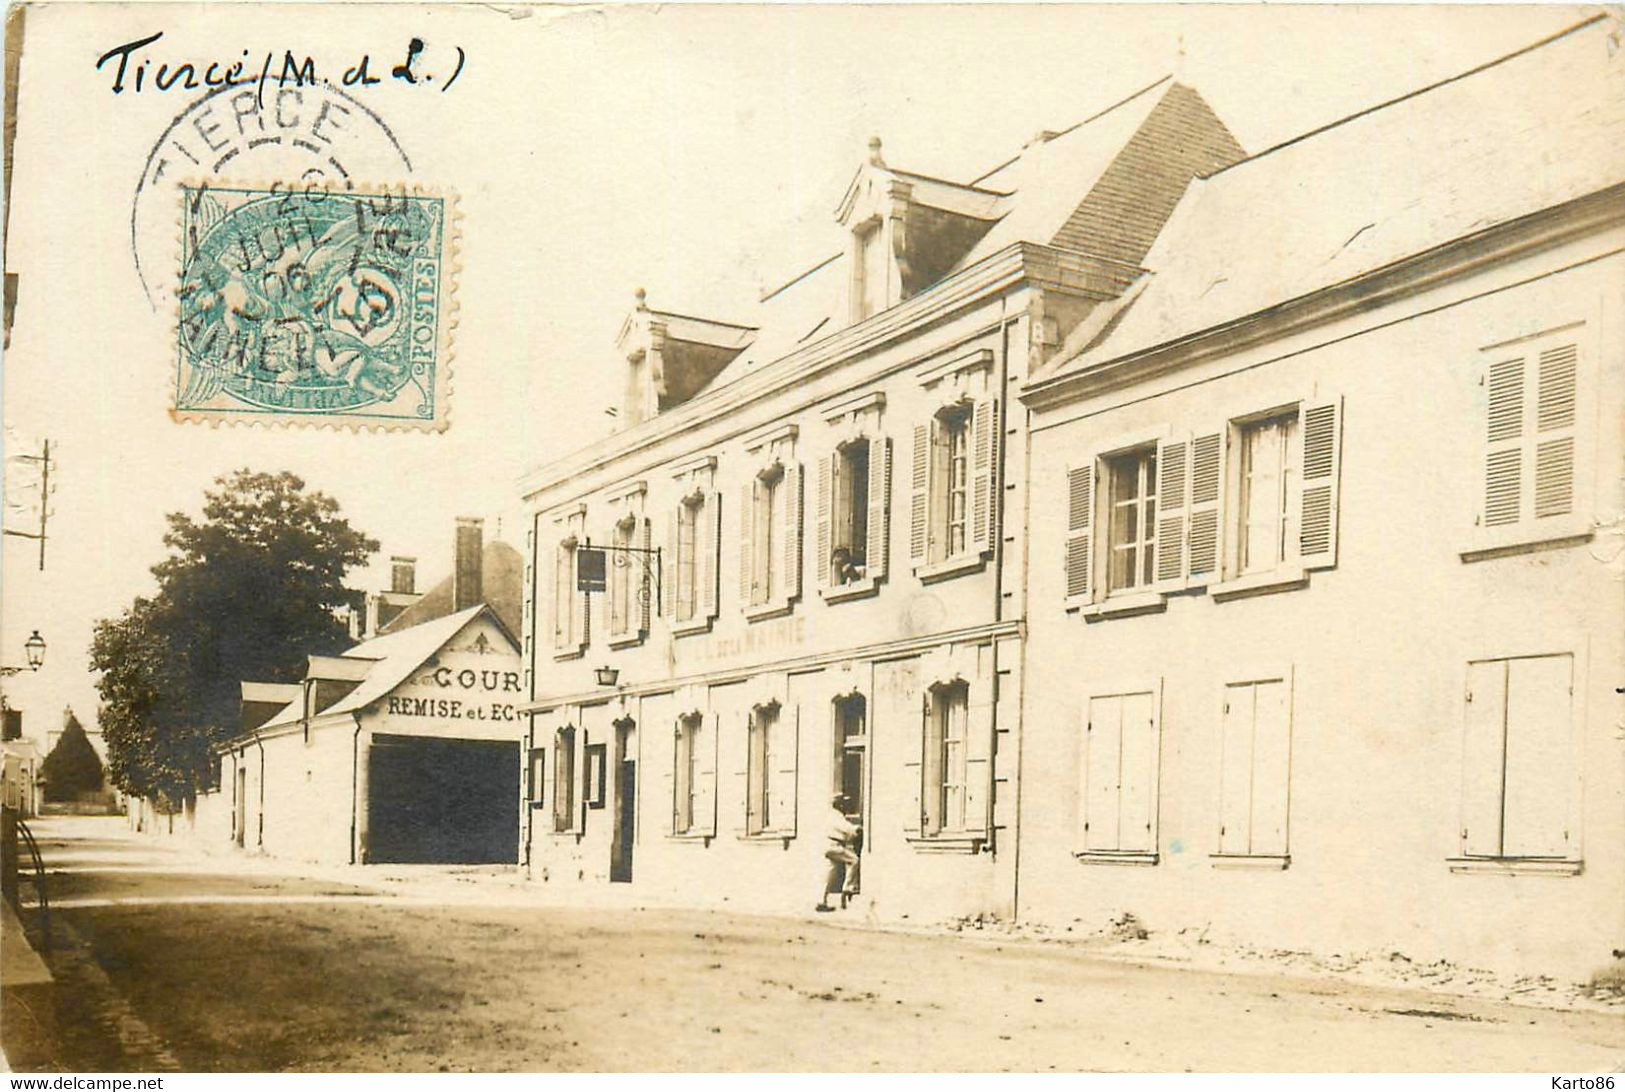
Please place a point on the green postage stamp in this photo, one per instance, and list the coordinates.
(315, 305)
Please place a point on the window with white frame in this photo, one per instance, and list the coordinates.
(870, 270)
(1268, 493)
(1249, 504)
(849, 555)
(564, 779)
(770, 540)
(853, 516)
(1255, 747)
(1132, 530)
(946, 756)
(953, 510)
(694, 776)
(570, 606)
(770, 782)
(1519, 772)
(690, 575)
(623, 606)
(1117, 804)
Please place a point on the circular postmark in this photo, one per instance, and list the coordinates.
(295, 131)
(309, 300)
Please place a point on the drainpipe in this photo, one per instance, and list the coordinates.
(259, 839)
(355, 785)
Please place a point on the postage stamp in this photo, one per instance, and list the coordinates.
(313, 304)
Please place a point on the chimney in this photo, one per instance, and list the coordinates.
(467, 573)
(403, 575)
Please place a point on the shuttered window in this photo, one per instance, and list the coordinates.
(845, 509)
(686, 584)
(1117, 799)
(1132, 515)
(571, 617)
(954, 510)
(622, 564)
(564, 779)
(683, 773)
(692, 541)
(770, 783)
(1518, 764)
(770, 537)
(1531, 400)
(1267, 514)
(1254, 768)
(947, 755)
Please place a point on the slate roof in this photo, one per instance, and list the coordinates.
(1526, 132)
(396, 655)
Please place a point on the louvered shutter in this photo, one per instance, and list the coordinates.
(878, 548)
(749, 581)
(823, 541)
(1080, 553)
(790, 536)
(705, 780)
(1173, 491)
(671, 565)
(1137, 822)
(645, 585)
(1503, 458)
(1556, 389)
(582, 602)
(786, 755)
(1320, 425)
(1205, 508)
(708, 541)
(931, 770)
(984, 475)
(919, 498)
(979, 741)
(1483, 759)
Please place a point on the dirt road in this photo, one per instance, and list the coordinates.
(167, 965)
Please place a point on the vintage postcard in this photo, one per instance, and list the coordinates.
(820, 538)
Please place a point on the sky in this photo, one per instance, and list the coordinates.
(696, 152)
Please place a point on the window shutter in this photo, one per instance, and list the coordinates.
(705, 778)
(645, 584)
(1236, 769)
(1272, 766)
(669, 778)
(1483, 759)
(1503, 457)
(1080, 491)
(753, 773)
(823, 543)
(931, 763)
(1556, 380)
(708, 541)
(878, 548)
(1539, 757)
(1173, 474)
(786, 756)
(561, 616)
(984, 497)
(921, 483)
(1320, 426)
(1102, 741)
(914, 778)
(1205, 507)
(1138, 780)
(790, 525)
(747, 544)
(582, 602)
(979, 739)
(583, 785)
(671, 565)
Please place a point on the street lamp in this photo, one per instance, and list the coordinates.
(34, 649)
(607, 676)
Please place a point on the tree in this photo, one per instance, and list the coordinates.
(72, 767)
(247, 593)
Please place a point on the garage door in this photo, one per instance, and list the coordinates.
(442, 801)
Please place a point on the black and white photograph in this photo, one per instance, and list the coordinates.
(813, 538)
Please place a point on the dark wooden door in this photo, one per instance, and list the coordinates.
(626, 815)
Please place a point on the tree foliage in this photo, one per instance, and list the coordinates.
(247, 592)
(73, 766)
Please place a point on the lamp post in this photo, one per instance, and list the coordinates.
(34, 649)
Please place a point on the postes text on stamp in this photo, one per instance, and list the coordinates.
(312, 304)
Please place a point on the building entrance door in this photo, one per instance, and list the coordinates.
(852, 767)
(626, 803)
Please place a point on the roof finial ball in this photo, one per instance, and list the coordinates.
(641, 297)
(874, 152)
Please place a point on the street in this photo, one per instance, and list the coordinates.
(169, 960)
